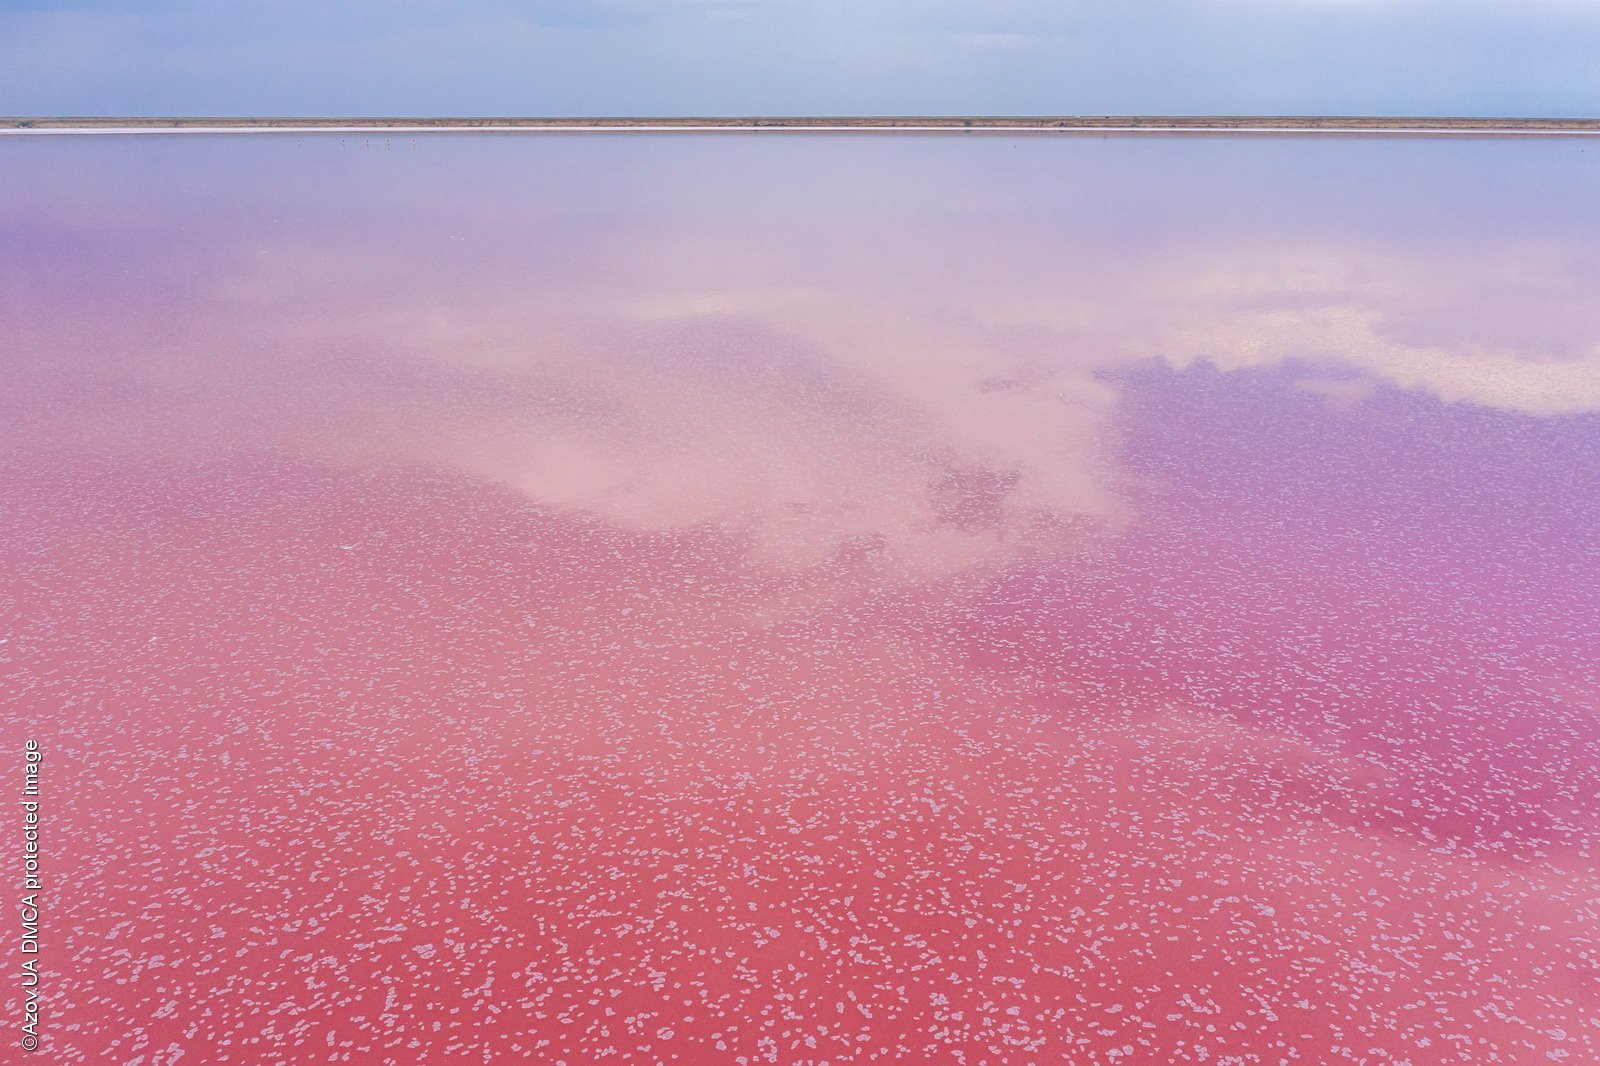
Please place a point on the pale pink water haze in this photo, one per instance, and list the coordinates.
(807, 599)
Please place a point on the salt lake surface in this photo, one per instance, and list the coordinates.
(806, 599)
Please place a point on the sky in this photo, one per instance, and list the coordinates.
(731, 57)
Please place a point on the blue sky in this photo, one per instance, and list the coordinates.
(684, 57)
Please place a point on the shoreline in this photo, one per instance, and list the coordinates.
(933, 124)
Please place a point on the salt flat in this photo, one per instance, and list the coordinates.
(1003, 599)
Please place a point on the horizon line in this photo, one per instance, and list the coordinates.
(798, 123)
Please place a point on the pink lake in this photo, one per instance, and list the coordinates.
(806, 598)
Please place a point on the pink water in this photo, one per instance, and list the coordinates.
(806, 599)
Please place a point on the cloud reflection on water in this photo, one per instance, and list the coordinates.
(907, 344)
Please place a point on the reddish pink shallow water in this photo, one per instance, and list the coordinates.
(807, 599)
